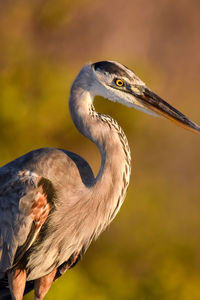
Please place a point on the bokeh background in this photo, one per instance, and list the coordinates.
(152, 249)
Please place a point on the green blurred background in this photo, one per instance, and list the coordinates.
(152, 248)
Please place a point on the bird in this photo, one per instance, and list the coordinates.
(51, 204)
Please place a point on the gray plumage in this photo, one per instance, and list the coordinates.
(51, 205)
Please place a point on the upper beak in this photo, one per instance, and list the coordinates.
(154, 103)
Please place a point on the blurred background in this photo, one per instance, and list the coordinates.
(152, 249)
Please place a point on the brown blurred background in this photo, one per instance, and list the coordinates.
(152, 249)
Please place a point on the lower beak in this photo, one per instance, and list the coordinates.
(154, 103)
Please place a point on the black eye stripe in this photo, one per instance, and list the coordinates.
(111, 68)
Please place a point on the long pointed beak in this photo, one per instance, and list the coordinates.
(154, 103)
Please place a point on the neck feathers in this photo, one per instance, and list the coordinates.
(114, 175)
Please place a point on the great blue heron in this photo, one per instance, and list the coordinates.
(51, 205)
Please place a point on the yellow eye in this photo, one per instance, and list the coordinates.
(119, 82)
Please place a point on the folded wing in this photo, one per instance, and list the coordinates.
(25, 203)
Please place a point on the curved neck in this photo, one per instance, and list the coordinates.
(85, 119)
(113, 177)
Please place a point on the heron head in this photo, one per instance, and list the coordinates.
(116, 82)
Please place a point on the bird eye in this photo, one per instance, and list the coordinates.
(119, 82)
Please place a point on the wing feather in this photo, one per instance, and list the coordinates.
(24, 207)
